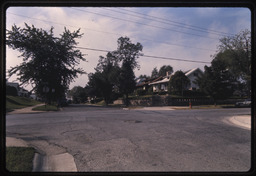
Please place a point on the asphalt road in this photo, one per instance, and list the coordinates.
(111, 139)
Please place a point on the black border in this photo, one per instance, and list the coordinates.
(124, 3)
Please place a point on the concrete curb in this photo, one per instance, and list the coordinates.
(63, 162)
(242, 121)
(26, 110)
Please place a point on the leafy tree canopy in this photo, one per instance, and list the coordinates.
(164, 69)
(235, 52)
(48, 61)
(78, 94)
(154, 73)
(178, 82)
(217, 81)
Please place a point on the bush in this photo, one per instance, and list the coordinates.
(140, 92)
(12, 91)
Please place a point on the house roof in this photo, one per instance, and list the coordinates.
(148, 81)
(161, 81)
(187, 73)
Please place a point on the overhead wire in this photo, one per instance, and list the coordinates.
(101, 50)
(179, 23)
(107, 32)
(168, 22)
(168, 29)
(149, 56)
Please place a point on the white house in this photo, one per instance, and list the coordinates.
(21, 91)
(162, 85)
(192, 76)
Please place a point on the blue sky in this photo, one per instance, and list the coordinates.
(180, 33)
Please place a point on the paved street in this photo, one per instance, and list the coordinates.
(112, 139)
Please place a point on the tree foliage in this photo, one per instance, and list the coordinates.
(103, 82)
(114, 74)
(48, 61)
(235, 52)
(154, 73)
(178, 82)
(217, 81)
(78, 94)
(164, 69)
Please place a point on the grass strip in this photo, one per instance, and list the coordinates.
(15, 102)
(19, 159)
(46, 108)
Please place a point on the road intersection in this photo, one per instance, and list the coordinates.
(113, 139)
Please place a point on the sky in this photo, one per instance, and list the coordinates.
(169, 32)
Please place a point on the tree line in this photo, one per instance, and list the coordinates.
(51, 63)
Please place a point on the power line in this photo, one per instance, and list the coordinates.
(179, 23)
(168, 22)
(143, 23)
(149, 56)
(106, 32)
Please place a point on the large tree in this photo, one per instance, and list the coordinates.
(164, 69)
(217, 81)
(78, 94)
(49, 62)
(104, 81)
(154, 73)
(178, 83)
(235, 52)
(127, 53)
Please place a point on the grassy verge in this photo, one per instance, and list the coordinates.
(19, 159)
(46, 108)
(213, 106)
(15, 102)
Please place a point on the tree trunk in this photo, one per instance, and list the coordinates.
(126, 100)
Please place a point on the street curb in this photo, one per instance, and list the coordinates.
(37, 162)
(241, 121)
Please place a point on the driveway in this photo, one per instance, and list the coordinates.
(112, 139)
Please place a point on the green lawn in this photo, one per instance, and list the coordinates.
(19, 159)
(46, 108)
(16, 102)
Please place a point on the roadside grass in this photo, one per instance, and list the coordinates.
(46, 108)
(19, 159)
(213, 106)
(101, 103)
(16, 102)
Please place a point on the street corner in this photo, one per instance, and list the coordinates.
(14, 142)
(242, 121)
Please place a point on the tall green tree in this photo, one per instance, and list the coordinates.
(154, 73)
(217, 81)
(235, 52)
(164, 69)
(178, 83)
(104, 81)
(49, 62)
(78, 94)
(127, 54)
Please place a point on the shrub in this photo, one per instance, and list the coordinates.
(12, 91)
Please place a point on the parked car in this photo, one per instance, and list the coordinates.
(245, 103)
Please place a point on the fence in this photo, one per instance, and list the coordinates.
(166, 100)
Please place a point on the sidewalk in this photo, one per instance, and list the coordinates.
(158, 108)
(63, 162)
(243, 121)
(26, 110)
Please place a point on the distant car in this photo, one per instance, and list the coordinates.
(245, 103)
